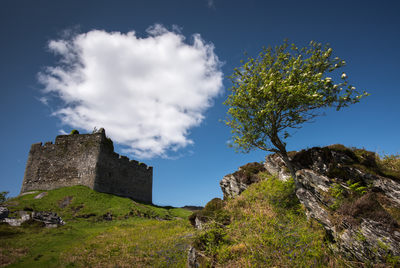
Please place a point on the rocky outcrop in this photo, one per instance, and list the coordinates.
(350, 196)
(49, 218)
(275, 166)
(234, 184)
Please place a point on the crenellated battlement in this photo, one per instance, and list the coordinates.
(86, 159)
(131, 162)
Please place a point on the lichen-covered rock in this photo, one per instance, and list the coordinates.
(234, 184)
(349, 195)
(275, 165)
(369, 242)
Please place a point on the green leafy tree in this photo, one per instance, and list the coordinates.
(280, 90)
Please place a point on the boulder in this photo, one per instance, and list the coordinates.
(49, 218)
(41, 195)
(275, 166)
(23, 217)
(234, 184)
(107, 216)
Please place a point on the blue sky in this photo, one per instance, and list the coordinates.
(364, 33)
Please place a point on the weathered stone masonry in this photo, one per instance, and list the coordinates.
(90, 160)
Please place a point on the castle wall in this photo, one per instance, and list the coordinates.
(71, 160)
(86, 159)
(117, 175)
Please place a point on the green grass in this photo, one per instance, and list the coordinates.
(268, 229)
(139, 235)
(134, 242)
(88, 203)
(142, 243)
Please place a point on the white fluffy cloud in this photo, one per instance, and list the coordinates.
(146, 92)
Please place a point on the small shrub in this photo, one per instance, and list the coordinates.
(357, 188)
(366, 158)
(248, 173)
(3, 196)
(210, 239)
(74, 132)
(367, 206)
(213, 211)
(390, 165)
(339, 194)
(281, 194)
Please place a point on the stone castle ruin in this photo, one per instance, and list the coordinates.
(90, 160)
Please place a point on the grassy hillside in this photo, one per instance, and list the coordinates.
(268, 228)
(138, 236)
(266, 225)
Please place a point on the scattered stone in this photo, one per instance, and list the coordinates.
(49, 218)
(107, 216)
(17, 222)
(13, 222)
(41, 195)
(3, 212)
(30, 192)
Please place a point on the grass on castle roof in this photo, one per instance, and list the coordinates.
(139, 235)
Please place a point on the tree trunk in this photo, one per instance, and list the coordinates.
(288, 163)
(282, 152)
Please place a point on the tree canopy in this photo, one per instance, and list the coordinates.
(280, 90)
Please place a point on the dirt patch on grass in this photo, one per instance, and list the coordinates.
(10, 255)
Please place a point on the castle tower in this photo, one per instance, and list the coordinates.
(90, 160)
